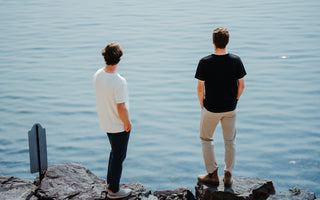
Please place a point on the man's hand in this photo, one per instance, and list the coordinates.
(127, 126)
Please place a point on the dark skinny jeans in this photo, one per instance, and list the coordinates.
(119, 144)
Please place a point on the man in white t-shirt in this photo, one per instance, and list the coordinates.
(112, 107)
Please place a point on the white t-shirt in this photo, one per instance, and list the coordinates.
(110, 89)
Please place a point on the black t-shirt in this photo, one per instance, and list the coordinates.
(220, 73)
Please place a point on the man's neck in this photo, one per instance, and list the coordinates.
(110, 68)
(218, 51)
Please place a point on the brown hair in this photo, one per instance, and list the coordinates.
(112, 53)
(220, 37)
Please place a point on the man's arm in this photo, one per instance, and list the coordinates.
(200, 90)
(240, 87)
(124, 116)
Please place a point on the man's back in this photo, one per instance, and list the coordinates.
(110, 88)
(220, 73)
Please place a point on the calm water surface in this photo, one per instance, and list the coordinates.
(49, 51)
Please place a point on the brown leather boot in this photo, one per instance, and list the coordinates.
(210, 178)
(227, 179)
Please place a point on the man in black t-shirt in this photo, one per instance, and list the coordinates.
(220, 85)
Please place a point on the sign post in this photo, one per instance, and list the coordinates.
(38, 150)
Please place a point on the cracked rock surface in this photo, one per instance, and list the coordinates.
(289, 195)
(70, 180)
(16, 188)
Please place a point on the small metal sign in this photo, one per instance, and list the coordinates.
(38, 150)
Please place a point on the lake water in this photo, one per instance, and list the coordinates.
(49, 51)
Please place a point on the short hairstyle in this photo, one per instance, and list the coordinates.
(220, 37)
(112, 53)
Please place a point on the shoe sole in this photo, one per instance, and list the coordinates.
(116, 197)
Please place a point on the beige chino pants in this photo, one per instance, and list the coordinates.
(208, 124)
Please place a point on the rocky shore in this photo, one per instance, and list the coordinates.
(75, 182)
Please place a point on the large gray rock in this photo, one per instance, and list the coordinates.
(179, 193)
(12, 188)
(297, 194)
(71, 181)
(243, 188)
